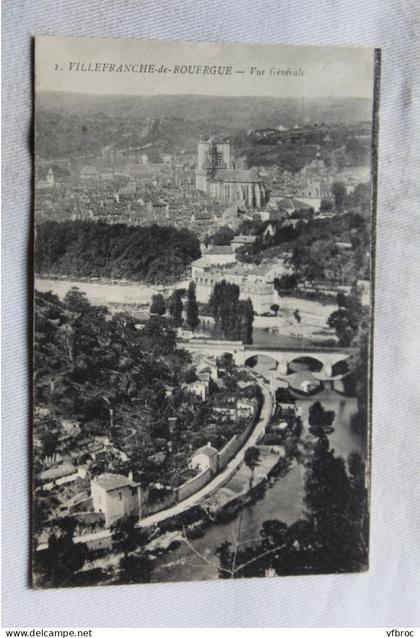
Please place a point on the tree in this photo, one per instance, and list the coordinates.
(49, 441)
(341, 300)
(176, 307)
(344, 324)
(320, 420)
(155, 254)
(224, 304)
(157, 306)
(233, 318)
(246, 318)
(350, 316)
(275, 308)
(339, 191)
(57, 565)
(135, 568)
(285, 282)
(252, 459)
(190, 375)
(158, 336)
(329, 495)
(76, 300)
(297, 316)
(193, 319)
(359, 367)
(222, 237)
(273, 532)
(326, 205)
(126, 536)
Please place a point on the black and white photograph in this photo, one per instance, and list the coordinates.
(203, 310)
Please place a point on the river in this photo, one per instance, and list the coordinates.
(100, 292)
(283, 500)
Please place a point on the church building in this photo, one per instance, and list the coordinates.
(217, 176)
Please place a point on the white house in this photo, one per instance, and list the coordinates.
(203, 363)
(115, 495)
(205, 458)
(199, 388)
(245, 407)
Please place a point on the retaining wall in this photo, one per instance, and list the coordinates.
(193, 485)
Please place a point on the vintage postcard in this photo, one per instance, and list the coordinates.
(204, 225)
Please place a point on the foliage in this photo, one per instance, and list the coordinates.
(359, 367)
(176, 307)
(331, 539)
(339, 191)
(126, 536)
(233, 317)
(49, 442)
(135, 568)
(326, 205)
(57, 565)
(193, 319)
(90, 364)
(320, 420)
(285, 282)
(116, 378)
(157, 307)
(314, 246)
(155, 254)
(252, 457)
(349, 316)
(246, 319)
(222, 237)
(129, 539)
(190, 376)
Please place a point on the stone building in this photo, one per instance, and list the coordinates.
(216, 175)
(115, 496)
(255, 282)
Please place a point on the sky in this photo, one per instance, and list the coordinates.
(311, 71)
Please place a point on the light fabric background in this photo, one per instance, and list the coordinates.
(388, 595)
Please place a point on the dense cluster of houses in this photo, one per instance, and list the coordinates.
(124, 186)
(70, 478)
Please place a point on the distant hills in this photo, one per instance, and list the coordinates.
(68, 124)
(236, 112)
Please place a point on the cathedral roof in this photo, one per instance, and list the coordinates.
(237, 175)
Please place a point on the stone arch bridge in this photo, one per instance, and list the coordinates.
(328, 358)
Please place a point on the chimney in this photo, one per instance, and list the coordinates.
(130, 475)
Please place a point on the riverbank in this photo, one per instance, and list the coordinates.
(267, 330)
(280, 497)
(101, 292)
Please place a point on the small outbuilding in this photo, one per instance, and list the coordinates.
(205, 458)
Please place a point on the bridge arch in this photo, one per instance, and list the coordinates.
(267, 357)
(311, 362)
(324, 364)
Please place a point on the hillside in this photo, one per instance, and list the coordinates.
(86, 123)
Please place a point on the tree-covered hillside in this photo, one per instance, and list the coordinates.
(88, 249)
